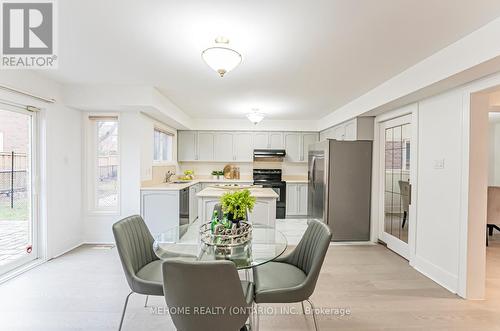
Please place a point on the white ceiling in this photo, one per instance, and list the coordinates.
(301, 59)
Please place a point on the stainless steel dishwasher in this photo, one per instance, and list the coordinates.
(183, 211)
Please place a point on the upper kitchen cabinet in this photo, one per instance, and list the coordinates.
(293, 146)
(206, 146)
(261, 140)
(339, 132)
(238, 146)
(268, 140)
(276, 140)
(243, 147)
(224, 146)
(360, 128)
(308, 139)
(186, 145)
(297, 145)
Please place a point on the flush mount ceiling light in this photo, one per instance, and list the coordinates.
(221, 58)
(255, 116)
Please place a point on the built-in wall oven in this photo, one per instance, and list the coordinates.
(271, 178)
(183, 211)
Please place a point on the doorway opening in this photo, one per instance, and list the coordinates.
(492, 274)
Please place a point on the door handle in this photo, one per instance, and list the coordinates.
(313, 177)
(409, 194)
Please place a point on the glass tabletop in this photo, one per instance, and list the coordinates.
(184, 242)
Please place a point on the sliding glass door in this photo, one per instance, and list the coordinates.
(18, 226)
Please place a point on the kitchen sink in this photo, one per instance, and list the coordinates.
(180, 181)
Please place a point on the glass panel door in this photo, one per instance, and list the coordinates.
(396, 166)
(17, 226)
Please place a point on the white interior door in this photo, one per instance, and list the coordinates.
(18, 203)
(396, 164)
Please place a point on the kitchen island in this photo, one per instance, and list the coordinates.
(264, 211)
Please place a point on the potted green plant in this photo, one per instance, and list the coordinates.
(215, 175)
(235, 205)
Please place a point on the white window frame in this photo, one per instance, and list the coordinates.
(172, 157)
(92, 165)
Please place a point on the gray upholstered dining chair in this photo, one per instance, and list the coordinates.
(142, 267)
(292, 278)
(190, 286)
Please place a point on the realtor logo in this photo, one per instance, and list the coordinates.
(28, 35)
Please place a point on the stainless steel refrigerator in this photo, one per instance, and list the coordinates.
(339, 190)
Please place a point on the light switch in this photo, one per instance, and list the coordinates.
(439, 164)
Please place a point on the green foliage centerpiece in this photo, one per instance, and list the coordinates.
(235, 205)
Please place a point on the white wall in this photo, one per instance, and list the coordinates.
(494, 152)
(97, 226)
(64, 179)
(438, 190)
(61, 147)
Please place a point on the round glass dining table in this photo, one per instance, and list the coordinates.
(184, 243)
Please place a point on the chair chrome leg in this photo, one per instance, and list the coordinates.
(303, 308)
(256, 322)
(314, 314)
(124, 309)
(247, 275)
(146, 303)
(251, 319)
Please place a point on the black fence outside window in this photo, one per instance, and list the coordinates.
(13, 179)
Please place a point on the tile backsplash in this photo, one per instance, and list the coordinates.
(246, 169)
(158, 174)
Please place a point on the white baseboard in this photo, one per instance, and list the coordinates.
(65, 251)
(352, 243)
(437, 274)
(99, 243)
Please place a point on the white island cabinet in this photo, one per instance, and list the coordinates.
(264, 211)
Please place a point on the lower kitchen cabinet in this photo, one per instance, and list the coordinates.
(296, 199)
(160, 210)
(193, 202)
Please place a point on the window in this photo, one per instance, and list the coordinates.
(162, 146)
(106, 160)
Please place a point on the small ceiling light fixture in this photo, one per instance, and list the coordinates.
(221, 58)
(255, 116)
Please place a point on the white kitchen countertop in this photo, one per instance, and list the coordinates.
(181, 186)
(258, 192)
(296, 181)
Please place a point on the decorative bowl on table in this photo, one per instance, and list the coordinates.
(234, 243)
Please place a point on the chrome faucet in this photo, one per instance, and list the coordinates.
(169, 175)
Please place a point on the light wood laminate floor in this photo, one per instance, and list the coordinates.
(85, 289)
